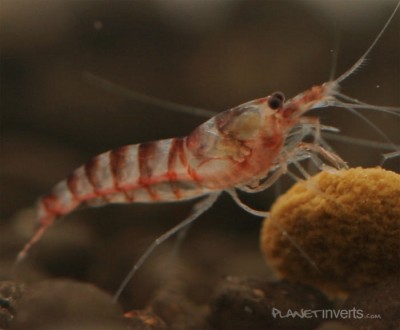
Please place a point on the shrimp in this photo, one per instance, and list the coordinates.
(245, 148)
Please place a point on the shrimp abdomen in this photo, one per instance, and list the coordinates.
(150, 172)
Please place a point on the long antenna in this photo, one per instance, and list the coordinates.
(141, 97)
(361, 60)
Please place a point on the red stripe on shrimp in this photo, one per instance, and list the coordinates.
(180, 145)
(173, 157)
(118, 163)
(91, 169)
(51, 205)
(73, 181)
(145, 152)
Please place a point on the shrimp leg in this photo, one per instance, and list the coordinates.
(268, 182)
(235, 197)
(333, 158)
(198, 209)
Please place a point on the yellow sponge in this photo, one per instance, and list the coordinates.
(338, 231)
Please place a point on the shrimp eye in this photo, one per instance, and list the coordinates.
(276, 100)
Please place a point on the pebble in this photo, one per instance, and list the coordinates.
(245, 303)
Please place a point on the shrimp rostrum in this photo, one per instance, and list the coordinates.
(247, 148)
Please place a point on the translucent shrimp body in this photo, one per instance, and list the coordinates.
(247, 147)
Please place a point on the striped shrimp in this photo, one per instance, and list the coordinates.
(245, 148)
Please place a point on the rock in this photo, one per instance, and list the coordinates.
(334, 325)
(5, 317)
(244, 303)
(144, 320)
(177, 310)
(378, 305)
(10, 293)
(64, 302)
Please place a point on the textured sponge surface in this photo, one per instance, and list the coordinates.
(338, 231)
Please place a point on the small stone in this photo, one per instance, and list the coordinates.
(6, 317)
(379, 306)
(64, 302)
(178, 311)
(144, 320)
(244, 303)
(334, 325)
(10, 293)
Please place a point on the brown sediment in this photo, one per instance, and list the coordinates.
(248, 303)
(347, 223)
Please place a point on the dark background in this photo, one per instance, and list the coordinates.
(211, 54)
